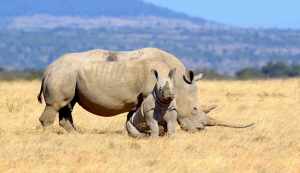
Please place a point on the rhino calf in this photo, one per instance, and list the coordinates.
(158, 108)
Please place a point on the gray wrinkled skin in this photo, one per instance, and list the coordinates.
(109, 83)
(158, 108)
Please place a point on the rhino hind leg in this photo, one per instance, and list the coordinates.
(48, 116)
(65, 117)
(133, 131)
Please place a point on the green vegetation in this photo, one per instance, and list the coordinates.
(270, 70)
(249, 73)
(220, 50)
(20, 75)
(212, 74)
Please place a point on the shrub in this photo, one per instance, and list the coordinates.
(249, 73)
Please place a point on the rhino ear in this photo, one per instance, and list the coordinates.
(198, 77)
(155, 73)
(189, 76)
(172, 73)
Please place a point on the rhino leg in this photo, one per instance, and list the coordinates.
(48, 116)
(59, 94)
(140, 99)
(133, 131)
(65, 117)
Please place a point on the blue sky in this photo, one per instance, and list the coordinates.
(247, 13)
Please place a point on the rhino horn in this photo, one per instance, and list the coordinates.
(213, 122)
(208, 109)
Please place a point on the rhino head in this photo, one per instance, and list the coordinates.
(164, 88)
(191, 117)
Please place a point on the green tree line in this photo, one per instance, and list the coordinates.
(270, 70)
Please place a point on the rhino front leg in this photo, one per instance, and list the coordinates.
(154, 128)
(153, 124)
(171, 119)
(171, 128)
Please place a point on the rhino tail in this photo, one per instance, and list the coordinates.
(214, 122)
(40, 96)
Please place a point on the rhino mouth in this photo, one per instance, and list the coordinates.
(163, 97)
(168, 97)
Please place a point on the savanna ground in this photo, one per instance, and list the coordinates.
(273, 145)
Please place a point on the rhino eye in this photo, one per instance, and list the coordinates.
(195, 108)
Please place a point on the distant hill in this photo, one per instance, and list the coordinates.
(87, 8)
(35, 32)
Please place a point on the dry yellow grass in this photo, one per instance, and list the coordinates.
(273, 145)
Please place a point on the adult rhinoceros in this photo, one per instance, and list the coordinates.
(108, 83)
